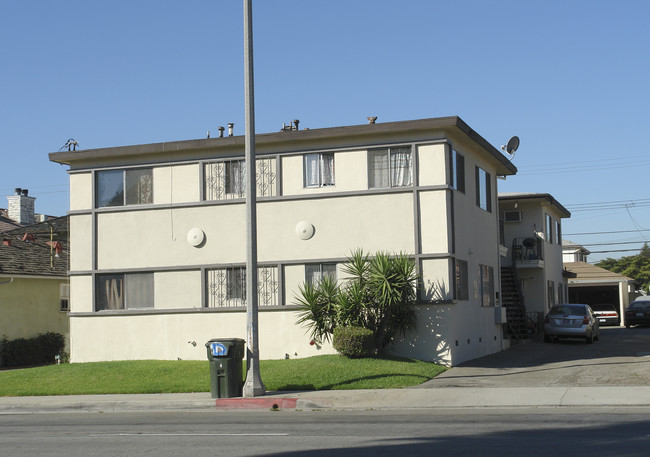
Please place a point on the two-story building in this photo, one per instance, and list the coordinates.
(158, 236)
(532, 258)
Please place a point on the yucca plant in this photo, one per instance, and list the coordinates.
(378, 294)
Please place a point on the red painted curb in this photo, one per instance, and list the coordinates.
(256, 403)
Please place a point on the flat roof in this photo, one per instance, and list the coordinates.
(296, 140)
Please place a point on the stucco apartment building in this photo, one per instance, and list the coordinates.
(158, 236)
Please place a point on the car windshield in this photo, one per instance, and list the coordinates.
(576, 310)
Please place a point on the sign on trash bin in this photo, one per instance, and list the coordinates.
(218, 349)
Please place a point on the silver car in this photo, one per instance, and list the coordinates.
(571, 321)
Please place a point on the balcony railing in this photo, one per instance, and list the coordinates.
(527, 250)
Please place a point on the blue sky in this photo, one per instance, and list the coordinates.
(568, 77)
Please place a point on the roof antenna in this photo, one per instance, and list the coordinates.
(71, 144)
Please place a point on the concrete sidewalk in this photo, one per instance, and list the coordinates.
(388, 399)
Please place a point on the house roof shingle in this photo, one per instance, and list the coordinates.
(37, 257)
(586, 272)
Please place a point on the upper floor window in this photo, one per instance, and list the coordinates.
(124, 187)
(483, 190)
(124, 291)
(549, 229)
(390, 167)
(227, 179)
(457, 171)
(558, 233)
(319, 169)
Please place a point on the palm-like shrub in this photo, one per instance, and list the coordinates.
(378, 294)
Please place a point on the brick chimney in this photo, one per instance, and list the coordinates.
(21, 207)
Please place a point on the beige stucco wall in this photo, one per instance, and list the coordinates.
(81, 289)
(30, 306)
(81, 195)
(171, 336)
(81, 242)
(433, 164)
(176, 184)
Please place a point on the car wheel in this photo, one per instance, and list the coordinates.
(597, 336)
(590, 338)
(627, 325)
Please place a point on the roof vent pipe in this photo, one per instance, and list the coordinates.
(25, 192)
(231, 126)
(221, 129)
(296, 122)
(371, 120)
(18, 191)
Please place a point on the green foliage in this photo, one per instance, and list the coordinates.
(353, 342)
(378, 294)
(39, 350)
(635, 266)
(325, 372)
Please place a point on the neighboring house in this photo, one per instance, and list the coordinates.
(158, 236)
(573, 252)
(593, 285)
(532, 254)
(33, 275)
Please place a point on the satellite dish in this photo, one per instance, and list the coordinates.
(512, 146)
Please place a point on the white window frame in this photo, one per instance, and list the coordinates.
(318, 169)
(321, 270)
(387, 177)
(64, 297)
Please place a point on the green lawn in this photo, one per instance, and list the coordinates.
(326, 372)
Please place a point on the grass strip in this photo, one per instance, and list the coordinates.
(326, 372)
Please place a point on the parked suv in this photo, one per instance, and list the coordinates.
(607, 314)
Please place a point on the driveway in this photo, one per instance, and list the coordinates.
(620, 358)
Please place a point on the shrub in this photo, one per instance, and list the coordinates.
(353, 342)
(39, 350)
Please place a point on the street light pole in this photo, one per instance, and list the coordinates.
(253, 385)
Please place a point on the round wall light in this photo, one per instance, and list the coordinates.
(304, 230)
(195, 237)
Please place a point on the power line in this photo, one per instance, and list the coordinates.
(605, 233)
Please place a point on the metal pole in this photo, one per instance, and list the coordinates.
(253, 385)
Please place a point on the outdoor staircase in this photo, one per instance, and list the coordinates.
(513, 301)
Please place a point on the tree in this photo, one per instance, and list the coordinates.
(378, 295)
(634, 266)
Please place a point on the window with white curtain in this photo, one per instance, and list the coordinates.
(390, 167)
(236, 178)
(315, 272)
(319, 169)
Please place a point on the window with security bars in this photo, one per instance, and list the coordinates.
(226, 179)
(227, 287)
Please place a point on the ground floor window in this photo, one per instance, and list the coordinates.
(227, 287)
(486, 282)
(462, 283)
(314, 273)
(124, 291)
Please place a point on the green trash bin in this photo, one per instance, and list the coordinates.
(225, 356)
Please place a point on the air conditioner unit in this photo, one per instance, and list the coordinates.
(512, 216)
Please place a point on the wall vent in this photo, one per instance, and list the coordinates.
(512, 216)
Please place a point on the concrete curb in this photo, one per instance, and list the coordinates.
(388, 399)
